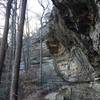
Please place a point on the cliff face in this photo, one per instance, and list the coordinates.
(74, 36)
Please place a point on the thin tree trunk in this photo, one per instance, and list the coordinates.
(24, 59)
(5, 35)
(12, 46)
(13, 33)
(16, 67)
(28, 42)
(14, 30)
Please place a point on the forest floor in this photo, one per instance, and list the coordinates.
(30, 87)
(39, 94)
(34, 96)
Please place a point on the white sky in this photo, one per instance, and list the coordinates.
(34, 13)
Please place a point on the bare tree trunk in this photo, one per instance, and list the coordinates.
(24, 59)
(13, 33)
(16, 67)
(14, 11)
(28, 42)
(41, 23)
(12, 46)
(5, 35)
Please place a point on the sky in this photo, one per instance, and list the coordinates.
(2, 14)
(34, 13)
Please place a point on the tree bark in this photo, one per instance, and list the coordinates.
(5, 35)
(16, 67)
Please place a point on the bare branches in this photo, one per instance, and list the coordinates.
(2, 4)
(40, 2)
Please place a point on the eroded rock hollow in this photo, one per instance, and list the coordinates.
(74, 39)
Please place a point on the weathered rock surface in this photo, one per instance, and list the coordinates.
(75, 24)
